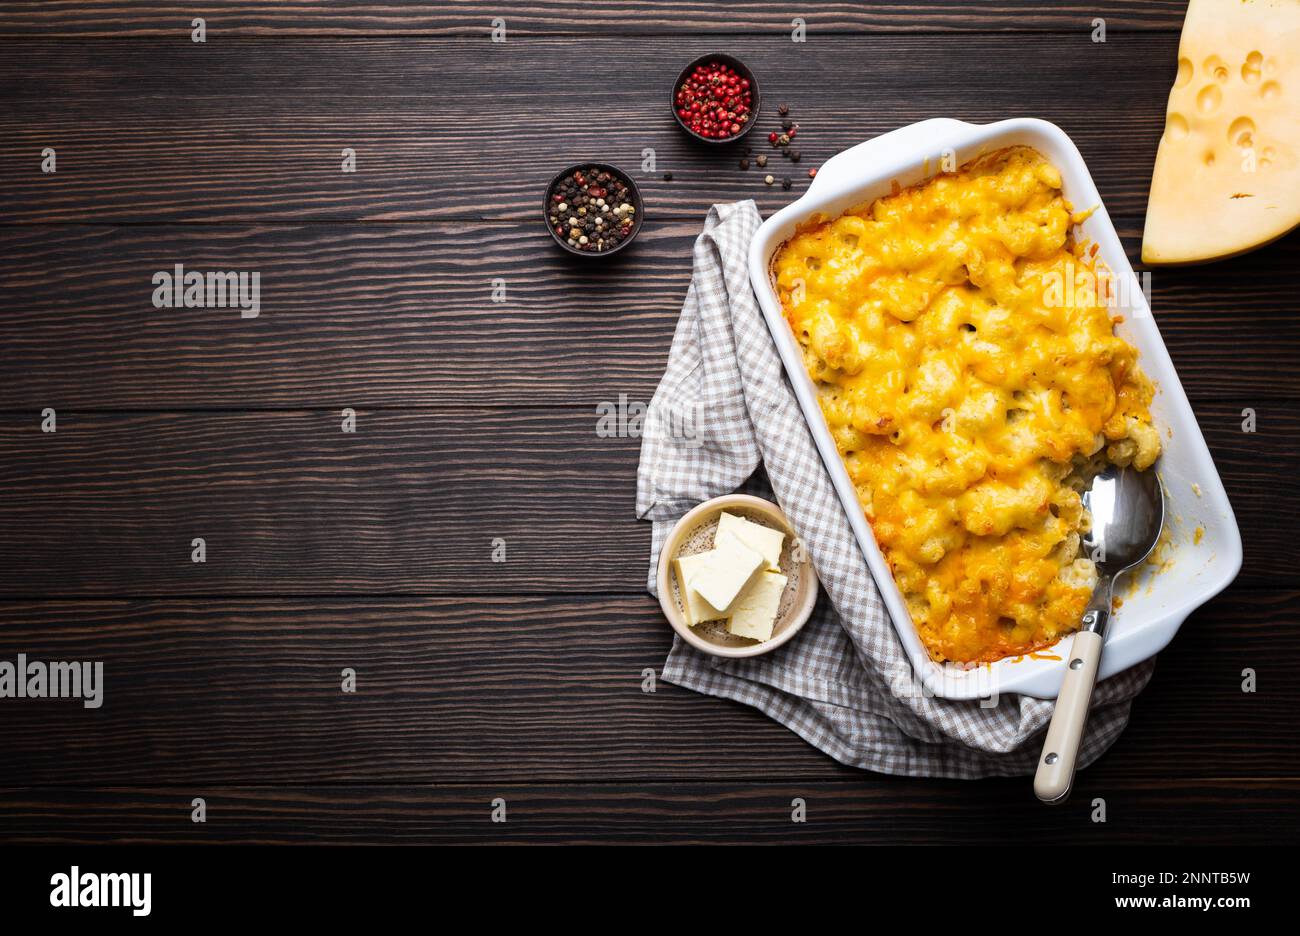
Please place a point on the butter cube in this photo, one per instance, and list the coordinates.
(754, 613)
(726, 570)
(697, 609)
(764, 540)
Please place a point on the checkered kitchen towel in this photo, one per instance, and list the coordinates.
(844, 683)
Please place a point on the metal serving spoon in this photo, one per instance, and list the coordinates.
(1128, 512)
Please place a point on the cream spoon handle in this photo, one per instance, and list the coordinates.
(1055, 774)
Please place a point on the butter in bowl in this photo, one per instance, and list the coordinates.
(733, 579)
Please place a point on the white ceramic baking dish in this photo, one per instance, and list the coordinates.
(1156, 602)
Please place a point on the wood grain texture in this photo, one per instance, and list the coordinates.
(271, 18)
(411, 503)
(289, 503)
(527, 689)
(148, 130)
(876, 811)
(402, 314)
(477, 420)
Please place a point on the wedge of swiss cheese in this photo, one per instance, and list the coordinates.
(1227, 176)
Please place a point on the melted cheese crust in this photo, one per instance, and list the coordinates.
(967, 365)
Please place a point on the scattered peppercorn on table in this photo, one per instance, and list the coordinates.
(375, 536)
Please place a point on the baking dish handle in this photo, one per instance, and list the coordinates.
(886, 147)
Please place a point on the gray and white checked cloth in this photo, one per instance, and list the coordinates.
(844, 683)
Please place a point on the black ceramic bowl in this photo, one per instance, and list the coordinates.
(741, 69)
(634, 199)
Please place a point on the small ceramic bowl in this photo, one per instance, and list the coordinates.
(743, 71)
(694, 533)
(635, 202)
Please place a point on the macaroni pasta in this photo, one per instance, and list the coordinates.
(967, 365)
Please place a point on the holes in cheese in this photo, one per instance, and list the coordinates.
(1227, 174)
(763, 540)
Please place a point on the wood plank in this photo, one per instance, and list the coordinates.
(1195, 705)
(148, 130)
(380, 315)
(270, 18)
(513, 690)
(401, 314)
(879, 811)
(411, 503)
(289, 503)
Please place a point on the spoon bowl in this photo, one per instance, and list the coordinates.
(1127, 508)
(1128, 513)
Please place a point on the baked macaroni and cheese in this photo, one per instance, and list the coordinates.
(967, 365)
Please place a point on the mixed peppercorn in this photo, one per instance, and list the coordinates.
(591, 210)
(779, 139)
(784, 138)
(715, 101)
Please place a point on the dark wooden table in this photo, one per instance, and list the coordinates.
(476, 422)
